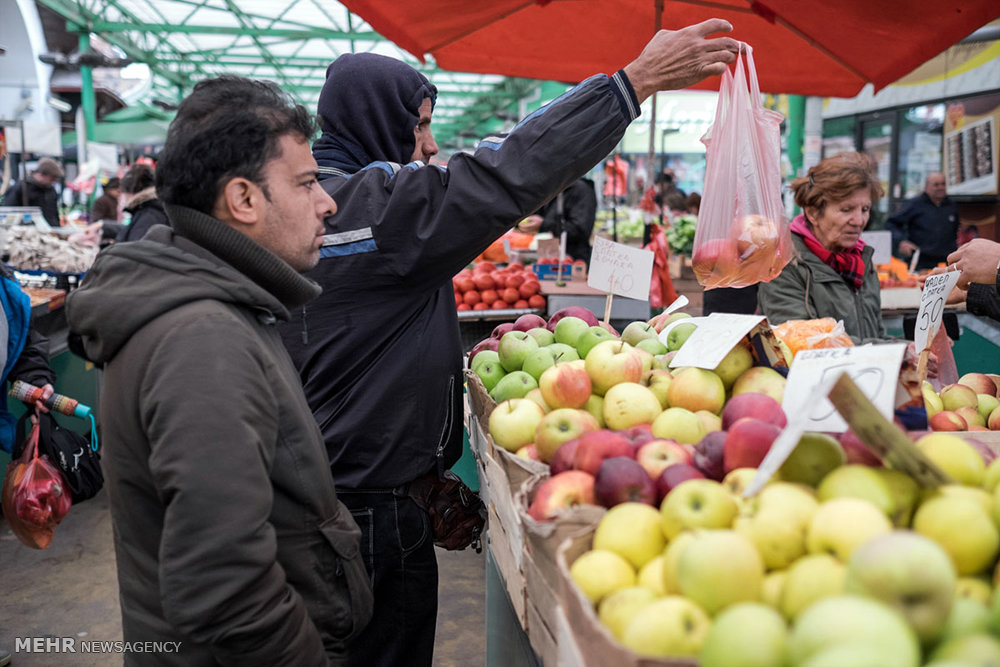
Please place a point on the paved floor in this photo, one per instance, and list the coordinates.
(70, 590)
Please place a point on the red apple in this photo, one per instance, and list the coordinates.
(658, 454)
(673, 475)
(709, 455)
(979, 383)
(569, 488)
(501, 329)
(562, 460)
(528, 321)
(621, 479)
(747, 442)
(857, 452)
(759, 406)
(487, 344)
(638, 435)
(565, 386)
(715, 259)
(574, 311)
(529, 452)
(596, 446)
(560, 425)
(947, 420)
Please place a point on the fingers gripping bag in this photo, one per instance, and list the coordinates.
(742, 236)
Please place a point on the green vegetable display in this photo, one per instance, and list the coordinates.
(680, 234)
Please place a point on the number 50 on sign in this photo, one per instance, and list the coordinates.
(932, 302)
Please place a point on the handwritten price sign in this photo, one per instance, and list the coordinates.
(932, 300)
(620, 269)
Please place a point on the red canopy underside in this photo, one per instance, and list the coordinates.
(800, 46)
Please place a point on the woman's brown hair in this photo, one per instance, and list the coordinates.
(835, 179)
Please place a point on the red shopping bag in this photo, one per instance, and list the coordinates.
(35, 498)
(742, 236)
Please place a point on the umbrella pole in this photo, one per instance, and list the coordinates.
(650, 168)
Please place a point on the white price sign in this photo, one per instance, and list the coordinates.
(713, 339)
(932, 302)
(881, 243)
(620, 269)
(874, 368)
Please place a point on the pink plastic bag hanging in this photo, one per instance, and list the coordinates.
(742, 236)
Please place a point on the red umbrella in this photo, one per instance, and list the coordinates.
(801, 47)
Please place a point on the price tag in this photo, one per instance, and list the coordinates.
(875, 368)
(881, 243)
(932, 300)
(620, 269)
(548, 247)
(713, 339)
(882, 436)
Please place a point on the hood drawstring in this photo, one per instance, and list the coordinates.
(305, 329)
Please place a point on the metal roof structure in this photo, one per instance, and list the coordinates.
(290, 42)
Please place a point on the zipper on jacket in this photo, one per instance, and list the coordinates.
(439, 454)
(305, 330)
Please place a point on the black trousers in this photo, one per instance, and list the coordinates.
(398, 549)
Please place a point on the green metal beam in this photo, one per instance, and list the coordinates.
(87, 91)
(109, 27)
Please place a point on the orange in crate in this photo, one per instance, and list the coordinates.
(813, 334)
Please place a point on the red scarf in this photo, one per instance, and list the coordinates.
(848, 263)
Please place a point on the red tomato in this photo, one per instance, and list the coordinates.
(489, 296)
(536, 301)
(481, 306)
(465, 284)
(464, 306)
(510, 295)
(484, 282)
(484, 266)
(529, 288)
(458, 299)
(464, 273)
(515, 280)
(500, 304)
(515, 267)
(521, 303)
(472, 297)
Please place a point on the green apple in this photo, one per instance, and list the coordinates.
(855, 654)
(591, 337)
(673, 317)
(611, 362)
(636, 331)
(563, 353)
(857, 481)
(974, 588)
(977, 649)
(905, 495)
(537, 361)
(658, 380)
(651, 575)
(696, 389)
(987, 404)
(677, 336)
(595, 406)
(814, 457)
(841, 525)
(632, 530)
(956, 458)
(962, 528)
(973, 493)
(512, 423)
(733, 365)
(617, 609)
(536, 396)
(569, 329)
(967, 617)
(809, 579)
(489, 372)
(908, 572)
(777, 534)
(851, 619)
(598, 573)
(629, 404)
(954, 396)
(672, 626)
(514, 347)
(542, 336)
(748, 634)
(483, 357)
(719, 568)
(697, 503)
(679, 424)
(653, 346)
(513, 385)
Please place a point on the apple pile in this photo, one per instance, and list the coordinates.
(829, 564)
(971, 404)
(486, 287)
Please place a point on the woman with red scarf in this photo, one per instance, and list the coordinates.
(834, 275)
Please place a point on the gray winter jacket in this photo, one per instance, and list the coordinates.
(228, 532)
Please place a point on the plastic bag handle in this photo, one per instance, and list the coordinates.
(751, 74)
(34, 441)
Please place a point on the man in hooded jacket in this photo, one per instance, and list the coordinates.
(380, 353)
(232, 547)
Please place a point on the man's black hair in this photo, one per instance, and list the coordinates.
(226, 128)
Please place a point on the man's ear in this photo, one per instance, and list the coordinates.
(241, 201)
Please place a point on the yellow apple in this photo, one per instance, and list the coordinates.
(748, 634)
(737, 480)
(651, 575)
(697, 389)
(598, 573)
(631, 530)
(857, 481)
(973, 493)
(697, 503)
(595, 406)
(629, 404)
(905, 495)
(712, 422)
(991, 478)
(932, 401)
(798, 499)
(679, 424)
(974, 588)
(618, 608)
(720, 568)
(670, 626)
(957, 458)
(809, 579)
(977, 649)
(841, 525)
(965, 531)
(733, 365)
(777, 533)
(670, 557)
(512, 424)
(772, 588)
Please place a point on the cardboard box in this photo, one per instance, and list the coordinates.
(594, 644)
(507, 565)
(540, 635)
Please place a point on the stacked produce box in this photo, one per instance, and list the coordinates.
(617, 488)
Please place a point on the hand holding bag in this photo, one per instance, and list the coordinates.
(742, 236)
(457, 513)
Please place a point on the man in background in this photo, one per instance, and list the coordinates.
(928, 222)
(38, 190)
(380, 353)
(106, 206)
(572, 211)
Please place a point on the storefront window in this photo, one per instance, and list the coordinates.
(877, 142)
(838, 136)
(919, 147)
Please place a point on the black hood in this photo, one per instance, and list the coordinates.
(368, 109)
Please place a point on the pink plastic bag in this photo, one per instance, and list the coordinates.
(35, 497)
(742, 236)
